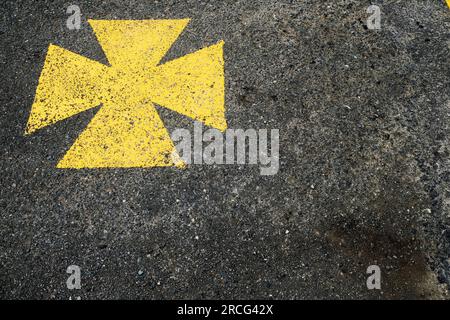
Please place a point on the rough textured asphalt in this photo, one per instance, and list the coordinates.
(364, 119)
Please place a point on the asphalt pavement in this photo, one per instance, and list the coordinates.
(364, 177)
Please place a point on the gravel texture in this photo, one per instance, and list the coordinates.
(364, 172)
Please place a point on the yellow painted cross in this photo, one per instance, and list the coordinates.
(127, 131)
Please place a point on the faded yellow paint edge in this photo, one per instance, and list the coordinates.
(179, 165)
(187, 20)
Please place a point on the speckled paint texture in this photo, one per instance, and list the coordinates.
(127, 132)
(364, 170)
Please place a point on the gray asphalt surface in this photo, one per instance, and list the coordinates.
(364, 119)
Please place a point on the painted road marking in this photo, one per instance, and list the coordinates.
(127, 131)
(448, 3)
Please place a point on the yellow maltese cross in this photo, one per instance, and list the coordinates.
(127, 131)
